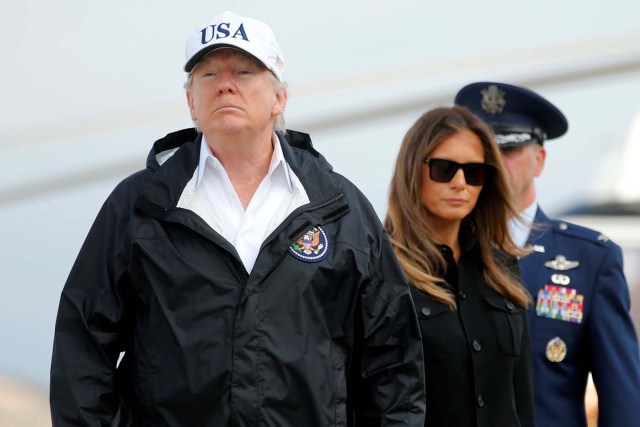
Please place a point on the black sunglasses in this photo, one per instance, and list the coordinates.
(442, 170)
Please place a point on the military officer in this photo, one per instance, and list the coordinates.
(580, 320)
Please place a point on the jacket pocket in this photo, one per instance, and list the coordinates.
(509, 321)
(435, 325)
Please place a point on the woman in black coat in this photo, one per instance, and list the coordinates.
(448, 209)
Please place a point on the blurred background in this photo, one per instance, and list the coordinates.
(87, 87)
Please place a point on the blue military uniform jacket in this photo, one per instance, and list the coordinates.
(580, 323)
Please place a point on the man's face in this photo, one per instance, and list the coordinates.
(524, 164)
(233, 93)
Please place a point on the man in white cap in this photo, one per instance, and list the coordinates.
(243, 282)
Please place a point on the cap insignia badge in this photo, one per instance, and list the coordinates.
(312, 246)
(561, 263)
(556, 350)
(493, 101)
(538, 248)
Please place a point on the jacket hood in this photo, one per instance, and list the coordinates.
(183, 149)
(302, 141)
(164, 147)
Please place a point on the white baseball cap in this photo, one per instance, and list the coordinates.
(232, 30)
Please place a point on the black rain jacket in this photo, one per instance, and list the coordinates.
(295, 343)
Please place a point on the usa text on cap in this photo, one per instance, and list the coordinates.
(517, 115)
(232, 30)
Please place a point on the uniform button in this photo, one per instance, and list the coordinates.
(476, 345)
(462, 295)
(480, 401)
(426, 311)
(510, 305)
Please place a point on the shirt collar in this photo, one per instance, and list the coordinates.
(205, 153)
(277, 161)
(529, 214)
(520, 229)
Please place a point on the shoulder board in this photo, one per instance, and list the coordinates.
(580, 232)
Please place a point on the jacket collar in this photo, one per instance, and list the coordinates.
(174, 159)
(540, 226)
(541, 216)
(310, 166)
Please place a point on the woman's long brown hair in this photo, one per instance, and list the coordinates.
(406, 220)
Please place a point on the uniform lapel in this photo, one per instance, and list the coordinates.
(531, 266)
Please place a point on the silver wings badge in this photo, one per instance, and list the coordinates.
(561, 263)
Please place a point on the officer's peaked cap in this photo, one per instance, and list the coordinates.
(517, 115)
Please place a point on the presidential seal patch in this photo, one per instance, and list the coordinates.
(312, 246)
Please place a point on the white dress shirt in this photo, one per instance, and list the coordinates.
(278, 194)
(520, 230)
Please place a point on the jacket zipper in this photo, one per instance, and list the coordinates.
(296, 212)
